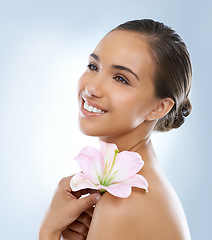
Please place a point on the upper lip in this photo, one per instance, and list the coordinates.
(94, 104)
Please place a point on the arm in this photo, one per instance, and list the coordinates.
(64, 209)
(140, 216)
(114, 219)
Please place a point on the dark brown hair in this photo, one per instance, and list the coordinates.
(172, 75)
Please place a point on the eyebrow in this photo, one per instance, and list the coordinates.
(95, 56)
(125, 69)
(115, 66)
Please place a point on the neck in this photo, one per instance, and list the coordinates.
(137, 140)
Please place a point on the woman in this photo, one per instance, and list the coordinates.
(139, 76)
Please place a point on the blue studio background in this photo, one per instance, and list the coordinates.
(44, 47)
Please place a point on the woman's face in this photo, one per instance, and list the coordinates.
(116, 92)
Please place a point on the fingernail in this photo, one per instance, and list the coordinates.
(97, 197)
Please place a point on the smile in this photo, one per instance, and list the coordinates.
(90, 108)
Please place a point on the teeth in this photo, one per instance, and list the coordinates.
(94, 109)
(90, 108)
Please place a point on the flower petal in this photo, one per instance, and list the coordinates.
(91, 163)
(138, 181)
(107, 151)
(122, 190)
(127, 164)
(81, 181)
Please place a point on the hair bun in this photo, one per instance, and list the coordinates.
(183, 111)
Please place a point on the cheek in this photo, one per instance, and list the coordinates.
(128, 109)
(131, 107)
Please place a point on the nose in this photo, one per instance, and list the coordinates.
(94, 87)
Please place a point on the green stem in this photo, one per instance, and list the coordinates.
(102, 191)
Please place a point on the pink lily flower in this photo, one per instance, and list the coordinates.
(109, 170)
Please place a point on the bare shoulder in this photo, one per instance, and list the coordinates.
(154, 215)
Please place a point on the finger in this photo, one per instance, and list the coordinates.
(89, 211)
(76, 194)
(88, 190)
(71, 235)
(81, 192)
(65, 183)
(85, 219)
(85, 203)
(79, 228)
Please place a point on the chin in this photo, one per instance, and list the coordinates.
(88, 130)
(104, 129)
(94, 129)
(91, 131)
(100, 132)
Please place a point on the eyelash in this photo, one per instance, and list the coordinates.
(121, 79)
(91, 66)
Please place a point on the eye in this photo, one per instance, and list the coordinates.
(122, 80)
(93, 67)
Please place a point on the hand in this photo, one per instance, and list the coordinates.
(64, 209)
(78, 230)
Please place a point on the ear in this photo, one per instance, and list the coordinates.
(162, 108)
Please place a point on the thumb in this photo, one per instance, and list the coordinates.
(88, 201)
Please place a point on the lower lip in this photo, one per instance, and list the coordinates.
(90, 114)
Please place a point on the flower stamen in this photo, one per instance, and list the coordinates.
(115, 155)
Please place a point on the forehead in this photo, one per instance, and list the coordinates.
(125, 48)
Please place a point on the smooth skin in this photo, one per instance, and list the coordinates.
(65, 208)
(119, 78)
